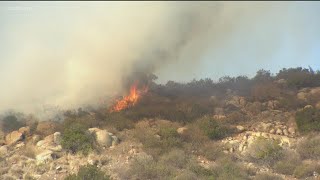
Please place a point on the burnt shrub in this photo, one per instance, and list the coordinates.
(88, 172)
(308, 120)
(11, 123)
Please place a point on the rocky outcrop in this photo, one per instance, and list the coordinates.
(45, 156)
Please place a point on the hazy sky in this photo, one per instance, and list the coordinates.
(72, 53)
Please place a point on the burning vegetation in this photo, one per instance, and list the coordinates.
(129, 100)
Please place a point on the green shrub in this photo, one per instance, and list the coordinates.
(309, 147)
(264, 151)
(11, 123)
(308, 120)
(158, 144)
(75, 138)
(88, 172)
(213, 129)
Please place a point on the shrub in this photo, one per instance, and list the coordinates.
(11, 123)
(264, 151)
(119, 121)
(75, 138)
(306, 170)
(156, 146)
(308, 120)
(146, 168)
(309, 147)
(213, 129)
(175, 158)
(229, 169)
(88, 172)
(288, 163)
(267, 176)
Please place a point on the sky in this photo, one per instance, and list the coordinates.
(74, 53)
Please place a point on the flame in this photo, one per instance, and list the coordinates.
(129, 100)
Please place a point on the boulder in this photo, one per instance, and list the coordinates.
(25, 130)
(46, 142)
(57, 137)
(14, 137)
(115, 140)
(318, 105)
(279, 132)
(3, 150)
(302, 96)
(35, 139)
(240, 128)
(308, 106)
(182, 130)
(103, 138)
(291, 130)
(285, 132)
(315, 91)
(44, 156)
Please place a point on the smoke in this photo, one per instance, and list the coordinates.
(71, 54)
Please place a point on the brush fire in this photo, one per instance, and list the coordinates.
(130, 100)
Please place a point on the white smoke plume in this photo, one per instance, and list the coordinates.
(70, 54)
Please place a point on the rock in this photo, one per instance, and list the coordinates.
(115, 140)
(265, 126)
(302, 96)
(19, 145)
(58, 168)
(14, 137)
(103, 138)
(55, 148)
(272, 131)
(25, 130)
(273, 104)
(93, 130)
(46, 142)
(219, 117)
(231, 150)
(285, 132)
(45, 156)
(240, 128)
(35, 139)
(182, 130)
(308, 106)
(291, 130)
(279, 132)
(241, 147)
(57, 137)
(315, 91)
(3, 150)
(318, 105)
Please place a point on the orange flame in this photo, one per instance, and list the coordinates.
(129, 100)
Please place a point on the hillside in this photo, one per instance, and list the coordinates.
(265, 127)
